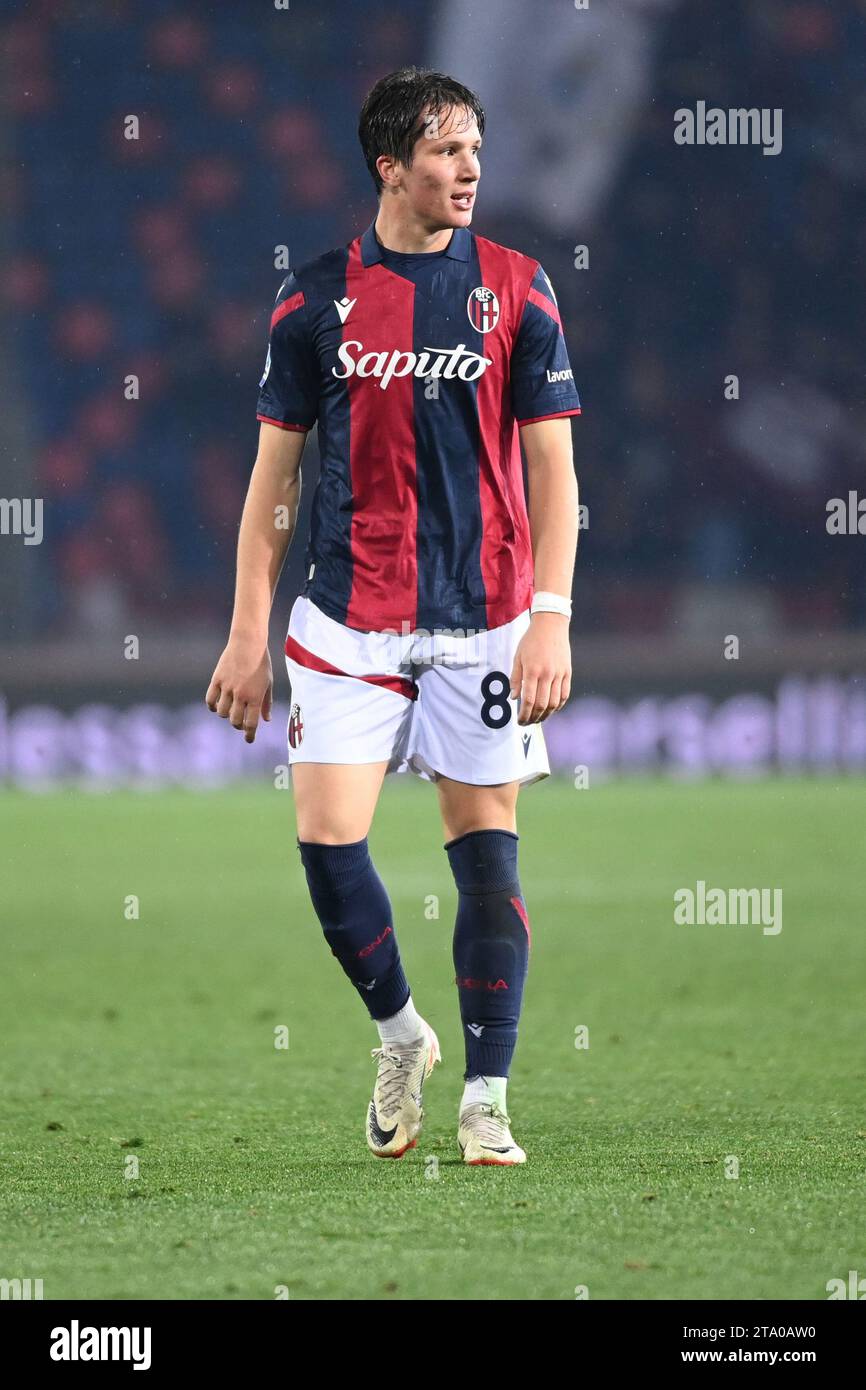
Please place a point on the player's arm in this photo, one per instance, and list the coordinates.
(241, 687)
(542, 662)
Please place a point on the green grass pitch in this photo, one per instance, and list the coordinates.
(152, 1041)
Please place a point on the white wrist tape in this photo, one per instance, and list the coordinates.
(544, 602)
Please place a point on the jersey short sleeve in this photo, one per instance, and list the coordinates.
(542, 382)
(289, 390)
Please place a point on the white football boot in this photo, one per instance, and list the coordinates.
(484, 1136)
(394, 1115)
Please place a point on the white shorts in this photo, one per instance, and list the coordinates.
(436, 704)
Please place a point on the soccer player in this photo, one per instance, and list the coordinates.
(432, 631)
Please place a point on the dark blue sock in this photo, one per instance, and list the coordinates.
(355, 912)
(491, 947)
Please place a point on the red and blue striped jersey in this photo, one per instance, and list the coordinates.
(418, 370)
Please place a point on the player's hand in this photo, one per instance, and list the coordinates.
(241, 688)
(541, 675)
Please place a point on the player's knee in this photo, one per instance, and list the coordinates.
(343, 882)
(484, 861)
(328, 827)
(334, 868)
(491, 903)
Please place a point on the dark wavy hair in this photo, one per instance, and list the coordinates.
(397, 108)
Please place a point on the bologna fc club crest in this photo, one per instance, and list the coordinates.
(296, 727)
(483, 309)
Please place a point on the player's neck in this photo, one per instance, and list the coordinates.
(399, 231)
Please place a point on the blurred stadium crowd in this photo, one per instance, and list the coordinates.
(154, 258)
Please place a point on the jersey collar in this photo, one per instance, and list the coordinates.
(458, 248)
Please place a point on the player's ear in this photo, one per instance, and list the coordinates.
(389, 171)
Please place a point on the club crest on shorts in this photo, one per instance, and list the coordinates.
(482, 307)
(296, 727)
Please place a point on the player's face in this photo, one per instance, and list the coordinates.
(442, 181)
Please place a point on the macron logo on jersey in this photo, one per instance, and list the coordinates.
(430, 362)
(266, 372)
(344, 307)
